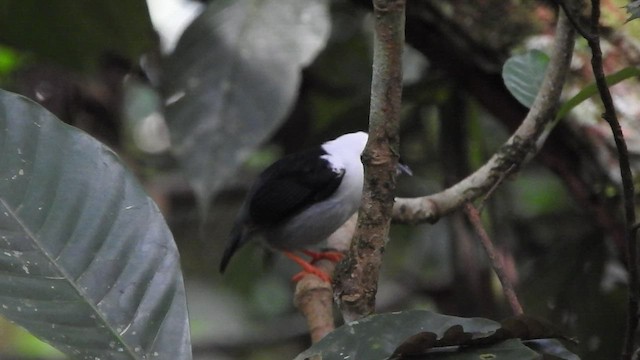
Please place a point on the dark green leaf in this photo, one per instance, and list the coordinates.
(591, 89)
(87, 262)
(551, 349)
(379, 336)
(77, 33)
(232, 79)
(521, 327)
(506, 350)
(523, 75)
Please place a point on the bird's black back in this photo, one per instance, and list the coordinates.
(290, 185)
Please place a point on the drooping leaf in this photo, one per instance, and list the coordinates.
(77, 33)
(232, 79)
(87, 262)
(523, 75)
(423, 335)
(591, 89)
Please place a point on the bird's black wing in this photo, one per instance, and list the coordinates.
(290, 185)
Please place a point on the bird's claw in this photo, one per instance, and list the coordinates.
(333, 256)
(315, 271)
(306, 269)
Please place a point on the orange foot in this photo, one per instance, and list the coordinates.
(307, 268)
(333, 256)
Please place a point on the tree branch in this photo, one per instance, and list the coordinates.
(356, 280)
(519, 148)
(313, 297)
(494, 258)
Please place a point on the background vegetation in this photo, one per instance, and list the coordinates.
(251, 80)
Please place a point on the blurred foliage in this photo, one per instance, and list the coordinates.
(557, 220)
(235, 74)
(76, 33)
(9, 61)
(17, 341)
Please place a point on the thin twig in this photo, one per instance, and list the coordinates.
(494, 258)
(573, 18)
(593, 40)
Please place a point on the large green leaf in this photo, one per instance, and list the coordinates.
(523, 75)
(232, 79)
(77, 33)
(87, 262)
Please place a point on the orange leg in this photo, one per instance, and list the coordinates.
(333, 256)
(307, 268)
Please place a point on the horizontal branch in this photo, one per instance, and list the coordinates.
(520, 147)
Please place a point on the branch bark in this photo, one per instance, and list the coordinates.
(520, 147)
(356, 278)
(495, 258)
(314, 298)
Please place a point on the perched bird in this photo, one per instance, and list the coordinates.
(301, 199)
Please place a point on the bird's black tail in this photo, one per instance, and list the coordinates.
(239, 236)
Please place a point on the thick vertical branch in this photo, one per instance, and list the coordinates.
(356, 280)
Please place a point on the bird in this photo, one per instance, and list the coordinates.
(301, 199)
